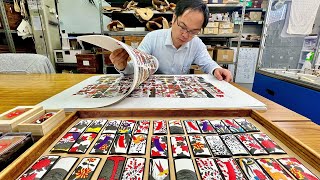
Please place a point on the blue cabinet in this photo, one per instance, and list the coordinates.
(302, 100)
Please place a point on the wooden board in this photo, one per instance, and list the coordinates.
(47, 142)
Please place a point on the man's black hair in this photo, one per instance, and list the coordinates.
(194, 5)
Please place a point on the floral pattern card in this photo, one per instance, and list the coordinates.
(134, 169)
(159, 127)
(269, 145)
(208, 169)
(273, 168)
(142, 127)
(230, 169)
(175, 127)
(38, 169)
(44, 117)
(179, 147)
(85, 169)
(103, 144)
(233, 126)
(138, 144)
(251, 169)
(206, 127)
(66, 142)
(61, 168)
(126, 126)
(80, 126)
(220, 127)
(191, 127)
(121, 144)
(251, 144)
(83, 143)
(112, 127)
(234, 145)
(199, 146)
(159, 147)
(159, 169)
(96, 125)
(297, 169)
(112, 168)
(218, 148)
(246, 125)
(184, 168)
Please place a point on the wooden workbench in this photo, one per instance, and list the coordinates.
(31, 89)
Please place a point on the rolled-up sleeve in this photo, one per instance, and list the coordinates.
(203, 59)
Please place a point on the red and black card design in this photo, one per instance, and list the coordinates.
(121, 144)
(251, 144)
(83, 143)
(112, 168)
(38, 169)
(199, 146)
(191, 127)
(251, 169)
(142, 127)
(206, 127)
(175, 127)
(230, 169)
(179, 147)
(159, 147)
(134, 168)
(208, 169)
(85, 168)
(269, 145)
(66, 142)
(273, 168)
(159, 127)
(297, 169)
(159, 169)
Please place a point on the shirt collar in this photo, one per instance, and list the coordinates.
(169, 42)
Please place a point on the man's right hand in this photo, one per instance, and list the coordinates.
(119, 58)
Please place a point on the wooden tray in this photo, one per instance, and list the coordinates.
(293, 147)
(44, 127)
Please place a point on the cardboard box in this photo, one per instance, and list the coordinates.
(210, 30)
(255, 16)
(226, 31)
(42, 128)
(231, 1)
(213, 24)
(9, 120)
(223, 55)
(226, 25)
(195, 69)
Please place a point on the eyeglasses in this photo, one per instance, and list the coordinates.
(184, 29)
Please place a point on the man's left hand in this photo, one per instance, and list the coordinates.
(222, 74)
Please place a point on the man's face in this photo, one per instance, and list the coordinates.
(186, 26)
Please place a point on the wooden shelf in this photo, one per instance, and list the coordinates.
(132, 12)
(233, 35)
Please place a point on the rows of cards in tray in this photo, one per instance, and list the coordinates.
(119, 167)
(79, 138)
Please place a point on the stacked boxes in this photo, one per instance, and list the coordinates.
(212, 28)
(226, 27)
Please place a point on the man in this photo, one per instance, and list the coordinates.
(178, 48)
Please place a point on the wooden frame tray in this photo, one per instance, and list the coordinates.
(293, 147)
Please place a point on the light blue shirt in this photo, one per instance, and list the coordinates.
(172, 60)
